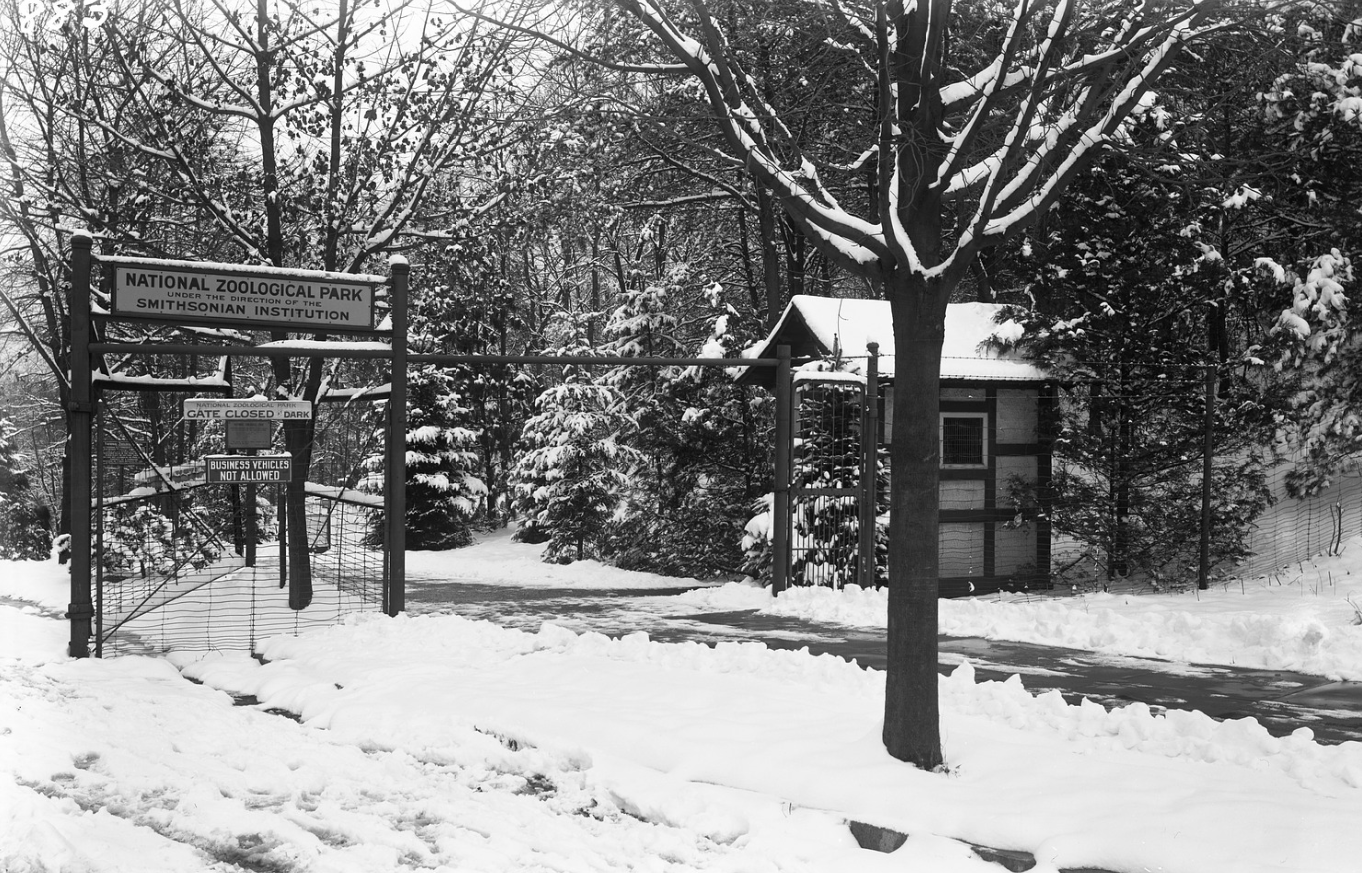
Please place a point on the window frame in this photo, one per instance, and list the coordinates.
(982, 417)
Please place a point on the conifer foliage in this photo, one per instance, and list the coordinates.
(443, 492)
(575, 471)
(1127, 311)
(696, 435)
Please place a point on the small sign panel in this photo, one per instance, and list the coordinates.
(247, 469)
(243, 435)
(116, 451)
(217, 409)
(273, 298)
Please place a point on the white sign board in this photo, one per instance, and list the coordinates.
(271, 298)
(243, 435)
(217, 409)
(247, 469)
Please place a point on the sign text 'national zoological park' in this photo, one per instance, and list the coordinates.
(270, 297)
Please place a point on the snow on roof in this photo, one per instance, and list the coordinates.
(848, 325)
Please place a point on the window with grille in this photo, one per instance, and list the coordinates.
(962, 441)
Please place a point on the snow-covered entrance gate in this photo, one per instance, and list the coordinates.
(204, 521)
(165, 557)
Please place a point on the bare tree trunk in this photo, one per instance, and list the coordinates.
(796, 257)
(298, 435)
(754, 294)
(911, 709)
(595, 286)
(770, 258)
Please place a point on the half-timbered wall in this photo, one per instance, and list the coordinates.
(995, 466)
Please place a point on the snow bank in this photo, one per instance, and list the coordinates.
(122, 765)
(1304, 622)
(1076, 785)
(29, 636)
(41, 583)
(497, 560)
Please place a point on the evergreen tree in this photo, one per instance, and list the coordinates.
(1315, 107)
(443, 492)
(141, 542)
(686, 510)
(642, 327)
(466, 304)
(1125, 301)
(577, 469)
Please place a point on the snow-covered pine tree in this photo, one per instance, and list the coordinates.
(470, 306)
(686, 512)
(576, 468)
(1123, 294)
(723, 448)
(642, 326)
(1315, 107)
(443, 491)
(141, 542)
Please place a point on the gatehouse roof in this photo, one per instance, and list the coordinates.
(823, 327)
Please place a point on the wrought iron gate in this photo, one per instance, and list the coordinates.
(836, 492)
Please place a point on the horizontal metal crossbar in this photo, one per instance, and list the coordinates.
(337, 351)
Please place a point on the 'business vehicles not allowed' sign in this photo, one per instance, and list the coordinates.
(247, 469)
(270, 297)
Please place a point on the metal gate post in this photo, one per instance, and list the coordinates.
(870, 446)
(252, 521)
(97, 570)
(395, 589)
(80, 411)
(780, 503)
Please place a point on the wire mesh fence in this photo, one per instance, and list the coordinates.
(176, 580)
(1292, 530)
(184, 564)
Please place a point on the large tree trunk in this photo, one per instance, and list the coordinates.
(911, 711)
(770, 257)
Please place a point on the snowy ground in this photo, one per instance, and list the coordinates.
(1307, 618)
(497, 560)
(440, 743)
